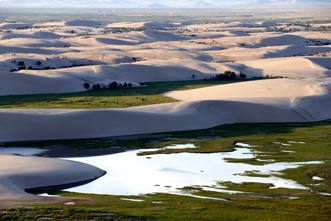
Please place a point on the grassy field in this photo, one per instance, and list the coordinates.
(306, 142)
(106, 98)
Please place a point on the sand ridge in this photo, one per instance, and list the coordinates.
(19, 173)
(59, 57)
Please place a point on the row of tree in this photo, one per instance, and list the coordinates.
(229, 75)
(112, 85)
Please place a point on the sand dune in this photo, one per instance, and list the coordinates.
(37, 35)
(143, 25)
(15, 178)
(290, 67)
(34, 43)
(73, 79)
(162, 36)
(151, 52)
(264, 101)
(86, 23)
(15, 25)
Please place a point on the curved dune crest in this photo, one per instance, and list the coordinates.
(265, 101)
(18, 173)
(72, 79)
(143, 25)
(15, 25)
(86, 23)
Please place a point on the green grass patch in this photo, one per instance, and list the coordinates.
(163, 206)
(305, 142)
(151, 93)
(42, 213)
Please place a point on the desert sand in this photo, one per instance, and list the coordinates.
(60, 57)
(19, 173)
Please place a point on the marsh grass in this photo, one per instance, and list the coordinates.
(256, 202)
(238, 206)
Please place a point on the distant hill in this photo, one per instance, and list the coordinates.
(202, 4)
(156, 5)
(148, 3)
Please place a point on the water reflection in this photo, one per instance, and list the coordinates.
(129, 174)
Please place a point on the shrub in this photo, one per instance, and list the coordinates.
(125, 85)
(130, 85)
(21, 63)
(46, 67)
(113, 85)
(242, 75)
(228, 75)
(38, 63)
(96, 87)
(86, 85)
(30, 67)
(21, 67)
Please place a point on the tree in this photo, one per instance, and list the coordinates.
(96, 86)
(113, 85)
(86, 85)
(242, 75)
(228, 75)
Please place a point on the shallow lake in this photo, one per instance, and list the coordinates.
(129, 174)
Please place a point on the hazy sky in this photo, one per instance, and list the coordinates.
(143, 3)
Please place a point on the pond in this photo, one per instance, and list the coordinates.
(130, 174)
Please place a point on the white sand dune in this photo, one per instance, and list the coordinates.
(162, 36)
(264, 101)
(151, 52)
(86, 23)
(284, 39)
(143, 25)
(15, 178)
(34, 43)
(37, 35)
(290, 67)
(20, 50)
(32, 84)
(15, 25)
(72, 79)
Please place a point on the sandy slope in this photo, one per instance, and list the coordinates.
(260, 101)
(149, 52)
(18, 173)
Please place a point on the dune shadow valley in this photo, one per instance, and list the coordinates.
(177, 110)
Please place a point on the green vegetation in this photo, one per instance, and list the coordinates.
(39, 213)
(151, 93)
(291, 142)
(163, 206)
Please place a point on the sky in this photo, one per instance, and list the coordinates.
(145, 3)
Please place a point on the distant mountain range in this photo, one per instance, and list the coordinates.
(147, 3)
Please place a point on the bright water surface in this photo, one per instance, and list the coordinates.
(129, 174)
